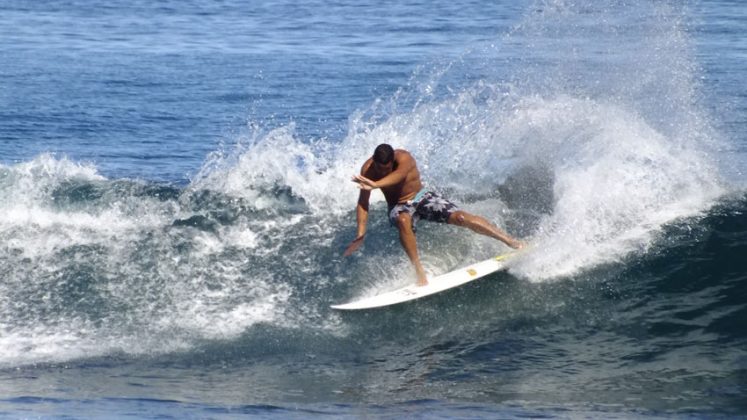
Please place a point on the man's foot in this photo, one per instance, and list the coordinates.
(422, 280)
(516, 244)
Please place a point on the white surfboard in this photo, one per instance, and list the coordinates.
(435, 285)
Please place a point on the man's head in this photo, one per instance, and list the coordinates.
(383, 156)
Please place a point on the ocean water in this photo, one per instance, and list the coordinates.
(175, 199)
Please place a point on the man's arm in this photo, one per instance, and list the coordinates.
(361, 211)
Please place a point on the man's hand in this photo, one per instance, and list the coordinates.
(357, 242)
(364, 183)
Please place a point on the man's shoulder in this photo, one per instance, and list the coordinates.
(402, 154)
(366, 165)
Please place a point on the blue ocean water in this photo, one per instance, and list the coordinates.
(175, 199)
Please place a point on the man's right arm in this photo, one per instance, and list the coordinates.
(362, 212)
(362, 218)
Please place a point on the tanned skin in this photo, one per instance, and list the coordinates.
(399, 180)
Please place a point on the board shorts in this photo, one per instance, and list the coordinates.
(426, 205)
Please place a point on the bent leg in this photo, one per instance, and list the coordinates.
(483, 227)
(407, 239)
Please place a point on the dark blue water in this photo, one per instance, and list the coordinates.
(175, 198)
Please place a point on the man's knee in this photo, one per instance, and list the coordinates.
(404, 221)
(458, 218)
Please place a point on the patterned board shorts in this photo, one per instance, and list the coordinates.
(429, 205)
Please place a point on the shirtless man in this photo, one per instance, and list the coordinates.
(397, 175)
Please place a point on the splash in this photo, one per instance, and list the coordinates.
(586, 138)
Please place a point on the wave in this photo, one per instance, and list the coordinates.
(592, 175)
(94, 266)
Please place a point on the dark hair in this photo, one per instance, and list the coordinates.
(383, 154)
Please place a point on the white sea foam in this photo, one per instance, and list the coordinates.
(95, 267)
(617, 181)
(612, 181)
(614, 178)
(280, 159)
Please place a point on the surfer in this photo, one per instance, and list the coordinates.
(396, 174)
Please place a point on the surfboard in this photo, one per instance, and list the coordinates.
(435, 285)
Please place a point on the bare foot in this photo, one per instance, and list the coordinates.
(422, 280)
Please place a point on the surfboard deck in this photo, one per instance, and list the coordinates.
(435, 285)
